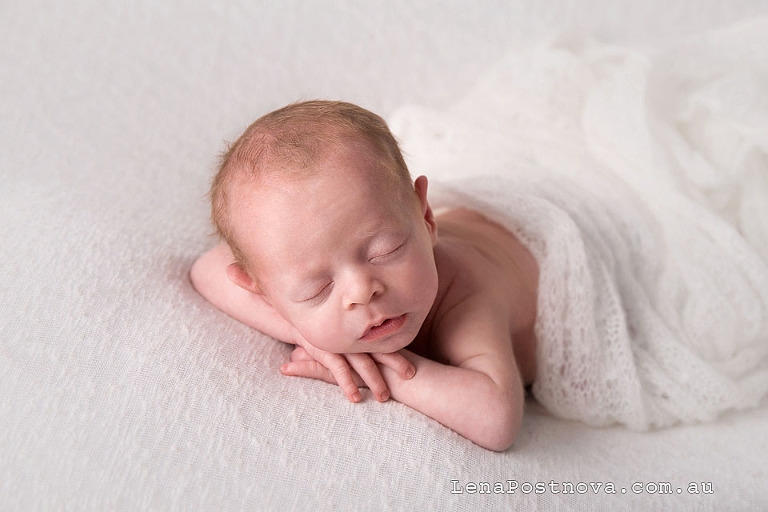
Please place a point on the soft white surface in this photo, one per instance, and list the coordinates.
(639, 180)
(121, 389)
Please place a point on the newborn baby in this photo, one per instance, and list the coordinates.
(332, 247)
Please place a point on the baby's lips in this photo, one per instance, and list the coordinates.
(384, 328)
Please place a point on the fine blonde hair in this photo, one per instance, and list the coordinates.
(289, 140)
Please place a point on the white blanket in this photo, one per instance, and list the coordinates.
(646, 208)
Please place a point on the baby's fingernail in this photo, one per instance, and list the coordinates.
(410, 372)
(356, 397)
(384, 396)
(284, 368)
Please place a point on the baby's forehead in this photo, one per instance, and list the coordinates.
(295, 188)
(281, 223)
(333, 171)
(327, 186)
(342, 158)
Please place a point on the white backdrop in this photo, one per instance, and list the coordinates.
(121, 389)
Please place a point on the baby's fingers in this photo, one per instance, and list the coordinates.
(299, 354)
(397, 362)
(342, 374)
(339, 368)
(369, 372)
(308, 368)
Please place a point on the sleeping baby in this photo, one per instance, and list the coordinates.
(332, 247)
(616, 305)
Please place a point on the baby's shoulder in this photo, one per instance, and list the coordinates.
(470, 301)
(481, 258)
(488, 288)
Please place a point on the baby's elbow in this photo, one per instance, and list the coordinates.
(206, 273)
(501, 425)
(197, 275)
(502, 435)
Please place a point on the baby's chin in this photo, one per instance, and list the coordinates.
(386, 346)
(362, 347)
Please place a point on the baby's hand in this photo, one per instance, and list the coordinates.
(349, 371)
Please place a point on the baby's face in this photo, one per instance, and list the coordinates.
(345, 259)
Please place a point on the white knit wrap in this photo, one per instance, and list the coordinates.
(639, 181)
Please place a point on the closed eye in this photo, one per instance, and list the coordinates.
(320, 295)
(391, 255)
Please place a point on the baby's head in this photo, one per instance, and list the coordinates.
(318, 207)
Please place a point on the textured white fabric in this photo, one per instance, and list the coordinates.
(121, 389)
(651, 232)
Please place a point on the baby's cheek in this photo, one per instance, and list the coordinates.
(423, 274)
(322, 336)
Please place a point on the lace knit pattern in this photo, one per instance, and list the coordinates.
(639, 181)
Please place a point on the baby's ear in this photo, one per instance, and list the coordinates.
(426, 211)
(240, 277)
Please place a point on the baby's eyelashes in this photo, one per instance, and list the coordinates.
(320, 295)
(390, 255)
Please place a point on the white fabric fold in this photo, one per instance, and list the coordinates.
(639, 180)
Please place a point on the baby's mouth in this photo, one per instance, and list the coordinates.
(385, 328)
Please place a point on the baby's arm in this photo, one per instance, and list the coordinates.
(465, 398)
(479, 394)
(209, 277)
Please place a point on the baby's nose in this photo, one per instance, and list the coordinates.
(363, 290)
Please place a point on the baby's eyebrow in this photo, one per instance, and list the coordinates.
(377, 231)
(385, 230)
(310, 276)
